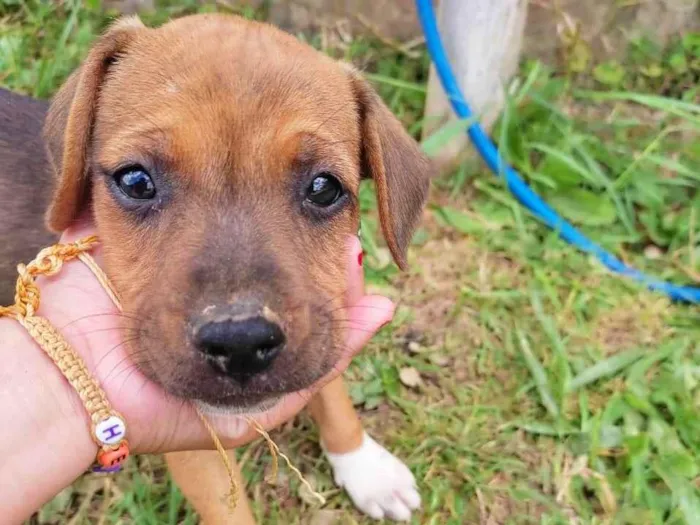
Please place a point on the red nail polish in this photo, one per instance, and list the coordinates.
(360, 257)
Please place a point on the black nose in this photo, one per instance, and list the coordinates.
(241, 347)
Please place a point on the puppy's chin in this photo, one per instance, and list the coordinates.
(239, 409)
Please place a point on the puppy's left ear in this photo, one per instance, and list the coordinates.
(400, 170)
(69, 122)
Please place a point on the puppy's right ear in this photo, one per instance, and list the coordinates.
(69, 122)
(400, 170)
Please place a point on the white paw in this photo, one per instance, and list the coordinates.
(378, 483)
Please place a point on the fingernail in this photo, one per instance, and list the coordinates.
(360, 257)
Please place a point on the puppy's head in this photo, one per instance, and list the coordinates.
(221, 160)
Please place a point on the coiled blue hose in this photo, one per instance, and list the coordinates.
(522, 192)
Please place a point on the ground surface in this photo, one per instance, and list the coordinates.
(548, 391)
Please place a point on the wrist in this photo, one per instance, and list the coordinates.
(47, 442)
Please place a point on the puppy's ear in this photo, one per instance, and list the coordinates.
(68, 126)
(400, 170)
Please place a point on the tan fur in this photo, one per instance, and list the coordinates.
(231, 117)
(204, 481)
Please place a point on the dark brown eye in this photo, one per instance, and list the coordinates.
(136, 183)
(324, 190)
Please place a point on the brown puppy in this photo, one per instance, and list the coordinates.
(223, 157)
(26, 181)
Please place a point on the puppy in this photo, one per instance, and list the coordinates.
(223, 157)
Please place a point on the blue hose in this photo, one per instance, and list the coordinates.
(515, 183)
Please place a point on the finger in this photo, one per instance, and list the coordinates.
(75, 281)
(356, 278)
(81, 228)
(365, 318)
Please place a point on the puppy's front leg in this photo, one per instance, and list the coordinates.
(338, 422)
(378, 483)
(203, 480)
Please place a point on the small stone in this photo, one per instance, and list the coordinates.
(326, 517)
(653, 252)
(410, 377)
(414, 347)
(440, 360)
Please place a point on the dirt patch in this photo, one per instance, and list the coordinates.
(636, 320)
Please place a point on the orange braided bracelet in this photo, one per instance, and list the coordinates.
(108, 429)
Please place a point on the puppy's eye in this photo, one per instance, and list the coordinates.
(135, 183)
(324, 190)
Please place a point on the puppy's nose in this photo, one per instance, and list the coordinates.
(240, 347)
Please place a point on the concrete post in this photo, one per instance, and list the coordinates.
(483, 39)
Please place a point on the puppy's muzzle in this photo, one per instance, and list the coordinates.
(239, 340)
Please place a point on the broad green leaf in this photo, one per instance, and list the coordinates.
(357, 393)
(678, 63)
(559, 171)
(572, 163)
(373, 402)
(611, 436)
(637, 446)
(584, 207)
(681, 464)
(609, 73)
(390, 380)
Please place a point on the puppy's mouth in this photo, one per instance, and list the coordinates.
(239, 409)
(217, 390)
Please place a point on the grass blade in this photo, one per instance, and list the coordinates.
(442, 136)
(606, 368)
(395, 82)
(652, 101)
(679, 108)
(626, 177)
(569, 161)
(539, 375)
(47, 72)
(562, 363)
(544, 429)
(684, 494)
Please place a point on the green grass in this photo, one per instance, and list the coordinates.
(551, 390)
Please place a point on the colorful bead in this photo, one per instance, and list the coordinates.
(98, 469)
(113, 457)
(110, 431)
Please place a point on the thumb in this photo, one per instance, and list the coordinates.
(366, 313)
(365, 318)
